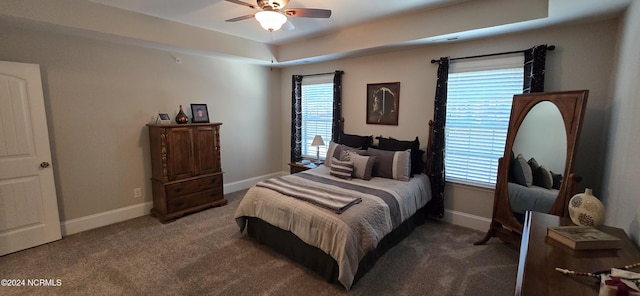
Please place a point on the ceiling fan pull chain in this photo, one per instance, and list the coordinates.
(270, 42)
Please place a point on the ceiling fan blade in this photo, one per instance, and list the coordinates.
(240, 18)
(275, 4)
(307, 12)
(242, 3)
(288, 26)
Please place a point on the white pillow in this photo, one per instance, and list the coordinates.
(330, 151)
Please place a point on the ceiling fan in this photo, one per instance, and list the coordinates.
(272, 13)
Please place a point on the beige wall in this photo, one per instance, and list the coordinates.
(582, 60)
(100, 95)
(620, 192)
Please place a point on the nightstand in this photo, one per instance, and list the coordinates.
(296, 167)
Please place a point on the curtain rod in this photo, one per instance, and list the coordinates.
(318, 74)
(550, 47)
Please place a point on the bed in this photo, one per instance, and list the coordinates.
(303, 217)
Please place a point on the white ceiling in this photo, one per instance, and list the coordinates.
(355, 27)
(211, 14)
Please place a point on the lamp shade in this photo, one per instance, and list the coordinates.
(271, 20)
(317, 141)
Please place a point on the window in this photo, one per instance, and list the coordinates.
(479, 99)
(317, 113)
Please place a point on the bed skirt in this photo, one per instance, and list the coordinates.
(320, 262)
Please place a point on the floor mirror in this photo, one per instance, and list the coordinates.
(536, 170)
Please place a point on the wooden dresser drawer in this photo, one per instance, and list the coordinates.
(193, 200)
(191, 186)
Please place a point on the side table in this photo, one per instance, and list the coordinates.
(539, 256)
(296, 167)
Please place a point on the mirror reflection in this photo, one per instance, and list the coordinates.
(539, 156)
(543, 129)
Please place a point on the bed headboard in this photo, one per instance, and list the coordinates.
(428, 152)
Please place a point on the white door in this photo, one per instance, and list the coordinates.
(28, 204)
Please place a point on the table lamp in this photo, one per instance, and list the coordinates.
(317, 142)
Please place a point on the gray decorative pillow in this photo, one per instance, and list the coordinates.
(391, 164)
(341, 169)
(533, 163)
(542, 177)
(335, 150)
(522, 173)
(345, 155)
(362, 165)
(557, 180)
(417, 164)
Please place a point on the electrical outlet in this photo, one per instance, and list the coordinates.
(137, 192)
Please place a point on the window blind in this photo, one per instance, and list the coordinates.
(317, 113)
(479, 99)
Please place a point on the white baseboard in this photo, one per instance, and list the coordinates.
(105, 218)
(142, 209)
(244, 184)
(467, 220)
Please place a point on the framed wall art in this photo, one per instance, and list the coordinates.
(200, 113)
(382, 103)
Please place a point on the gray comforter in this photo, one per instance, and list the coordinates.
(346, 237)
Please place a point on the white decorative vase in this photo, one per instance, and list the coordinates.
(585, 209)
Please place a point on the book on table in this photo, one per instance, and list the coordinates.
(583, 237)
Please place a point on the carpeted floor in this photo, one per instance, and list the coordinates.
(204, 254)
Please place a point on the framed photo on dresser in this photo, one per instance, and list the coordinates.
(200, 113)
(163, 118)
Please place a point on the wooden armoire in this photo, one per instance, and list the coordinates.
(186, 170)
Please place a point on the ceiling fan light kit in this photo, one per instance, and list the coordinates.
(270, 20)
(272, 15)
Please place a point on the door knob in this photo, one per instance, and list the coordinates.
(44, 165)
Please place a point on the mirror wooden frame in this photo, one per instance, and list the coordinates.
(572, 106)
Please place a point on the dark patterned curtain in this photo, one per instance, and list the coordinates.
(296, 118)
(336, 128)
(436, 205)
(296, 113)
(534, 68)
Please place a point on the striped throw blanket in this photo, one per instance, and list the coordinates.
(320, 196)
